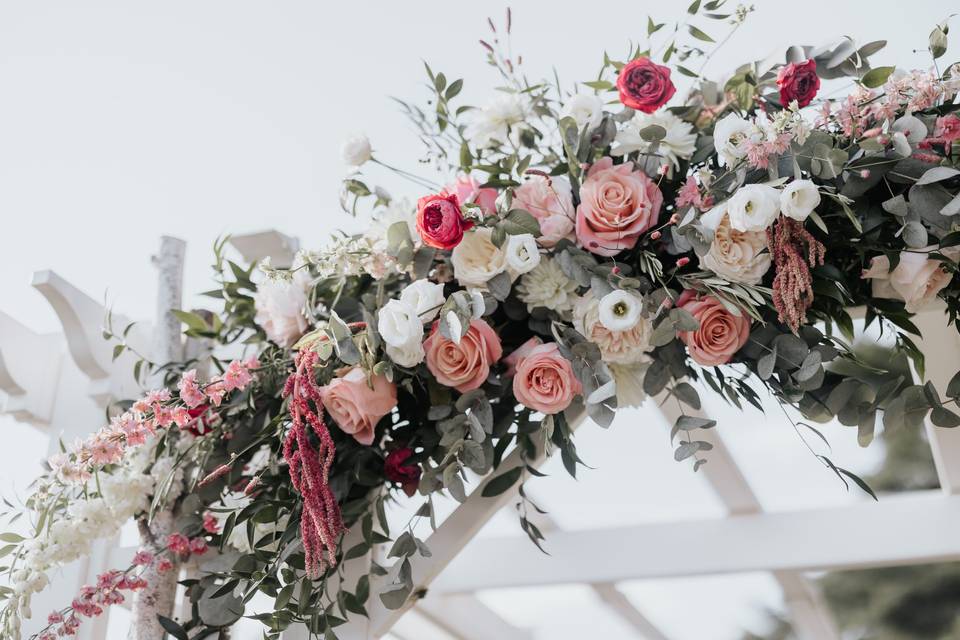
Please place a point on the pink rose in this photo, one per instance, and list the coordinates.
(355, 405)
(549, 200)
(798, 81)
(645, 85)
(468, 190)
(440, 222)
(463, 366)
(544, 379)
(916, 279)
(720, 334)
(617, 204)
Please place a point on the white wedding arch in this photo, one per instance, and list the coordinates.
(59, 384)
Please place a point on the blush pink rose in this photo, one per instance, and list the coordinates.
(617, 204)
(463, 366)
(550, 202)
(468, 190)
(916, 279)
(355, 405)
(720, 334)
(544, 379)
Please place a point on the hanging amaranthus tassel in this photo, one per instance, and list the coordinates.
(792, 285)
(320, 524)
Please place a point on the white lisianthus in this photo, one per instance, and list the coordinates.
(586, 109)
(523, 254)
(399, 324)
(424, 297)
(753, 207)
(621, 347)
(620, 310)
(476, 260)
(356, 151)
(409, 355)
(279, 304)
(728, 135)
(491, 125)
(547, 286)
(679, 143)
(798, 199)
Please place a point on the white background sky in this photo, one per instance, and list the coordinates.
(122, 121)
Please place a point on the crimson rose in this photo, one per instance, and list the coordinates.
(440, 222)
(645, 85)
(396, 471)
(798, 81)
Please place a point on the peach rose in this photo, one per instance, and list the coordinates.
(550, 202)
(916, 279)
(356, 404)
(738, 256)
(720, 334)
(544, 379)
(463, 366)
(617, 204)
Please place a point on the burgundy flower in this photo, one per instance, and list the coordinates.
(645, 85)
(407, 475)
(798, 81)
(440, 222)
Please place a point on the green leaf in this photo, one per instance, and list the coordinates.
(943, 417)
(876, 76)
(937, 42)
(172, 628)
(700, 35)
(518, 222)
(501, 483)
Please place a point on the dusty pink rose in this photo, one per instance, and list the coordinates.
(355, 405)
(468, 190)
(550, 202)
(543, 379)
(916, 279)
(617, 204)
(463, 366)
(720, 334)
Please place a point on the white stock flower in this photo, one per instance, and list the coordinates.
(356, 151)
(738, 256)
(399, 324)
(586, 109)
(798, 199)
(679, 143)
(279, 305)
(476, 259)
(424, 297)
(491, 125)
(728, 135)
(547, 286)
(523, 254)
(753, 207)
(619, 310)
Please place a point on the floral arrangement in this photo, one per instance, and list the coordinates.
(591, 249)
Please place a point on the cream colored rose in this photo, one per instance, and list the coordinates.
(738, 256)
(916, 279)
(621, 347)
(476, 259)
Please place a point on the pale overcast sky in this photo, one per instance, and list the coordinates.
(123, 121)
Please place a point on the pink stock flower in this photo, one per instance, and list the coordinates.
(178, 544)
(190, 391)
(164, 565)
(210, 524)
(237, 376)
(690, 196)
(198, 546)
(143, 558)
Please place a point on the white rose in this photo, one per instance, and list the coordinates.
(424, 297)
(916, 279)
(753, 207)
(728, 135)
(799, 198)
(523, 254)
(586, 109)
(619, 310)
(409, 355)
(476, 259)
(738, 256)
(279, 305)
(356, 151)
(399, 324)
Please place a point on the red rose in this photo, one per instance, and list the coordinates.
(407, 475)
(440, 222)
(798, 81)
(645, 85)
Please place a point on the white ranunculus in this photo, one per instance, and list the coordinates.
(547, 286)
(585, 108)
(798, 199)
(492, 124)
(738, 256)
(279, 305)
(679, 143)
(409, 355)
(753, 207)
(728, 135)
(523, 254)
(424, 297)
(399, 324)
(620, 310)
(476, 260)
(356, 151)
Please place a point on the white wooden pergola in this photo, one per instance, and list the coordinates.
(909, 528)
